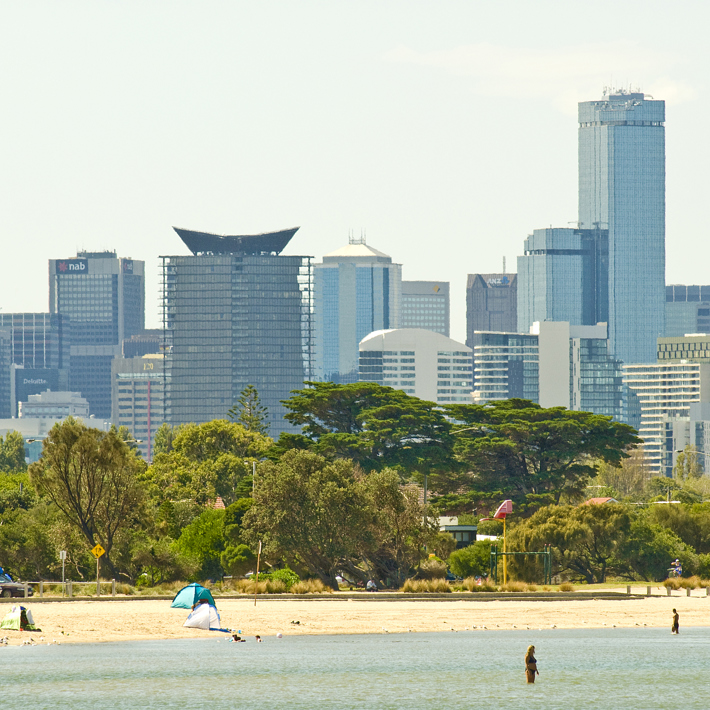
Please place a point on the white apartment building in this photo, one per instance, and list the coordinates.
(420, 362)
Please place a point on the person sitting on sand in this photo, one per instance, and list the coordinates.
(530, 665)
(674, 628)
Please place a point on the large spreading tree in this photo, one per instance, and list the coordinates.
(524, 450)
(92, 477)
(377, 427)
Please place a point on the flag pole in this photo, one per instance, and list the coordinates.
(256, 586)
(505, 557)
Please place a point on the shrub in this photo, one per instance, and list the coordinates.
(566, 587)
(470, 584)
(693, 582)
(513, 587)
(471, 561)
(268, 586)
(285, 575)
(310, 586)
(433, 568)
(530, 587)
(418, 586)
(672, 583)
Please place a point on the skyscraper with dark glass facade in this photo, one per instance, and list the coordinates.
(622, 190)
(235, 313)
(491, 304)
(104, 298)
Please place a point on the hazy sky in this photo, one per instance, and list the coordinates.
(446, 130)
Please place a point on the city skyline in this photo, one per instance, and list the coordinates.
(409, 128)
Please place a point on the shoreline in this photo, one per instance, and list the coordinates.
(133, 619)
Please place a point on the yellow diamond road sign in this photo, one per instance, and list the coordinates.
(98, 551)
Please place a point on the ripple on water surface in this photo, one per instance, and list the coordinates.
(614, 668)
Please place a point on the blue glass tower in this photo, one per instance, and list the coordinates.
(357, 291)
(563, 277)
(622, 190)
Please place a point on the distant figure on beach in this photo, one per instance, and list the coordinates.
(530, 665)
(258, 638)
(674, 628)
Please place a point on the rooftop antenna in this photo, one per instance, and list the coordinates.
(503, 264)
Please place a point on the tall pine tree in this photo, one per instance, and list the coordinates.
(249, 411)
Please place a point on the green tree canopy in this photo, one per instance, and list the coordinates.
(377, 427)
(249, 412)
(308, 509)
(12, 452)
(206, 460)
(586, 540)
(517, 447)
(472, 561)
(91, 476)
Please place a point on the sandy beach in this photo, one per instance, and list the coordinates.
(136, 619)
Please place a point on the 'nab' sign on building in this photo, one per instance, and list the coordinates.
(72, 266)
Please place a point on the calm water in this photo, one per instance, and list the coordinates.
(615, 668)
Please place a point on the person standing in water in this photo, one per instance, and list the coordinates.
(674, 628)
(531, 665)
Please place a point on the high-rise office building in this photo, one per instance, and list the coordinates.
(425, 304)
(622, 190)
(491, 304)
(5, 375)
(54, 405)
(563, 277)
(687, 309)
(357, 291)
(691, 347)
(138, 397)
(532, 366)
(147, 342)
(235, 313)
(505, 366)
(665, 390)
(104, 298)
(679, 432)
(420, 362)
(39, 353)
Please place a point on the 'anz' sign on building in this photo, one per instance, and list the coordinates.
(72, 266)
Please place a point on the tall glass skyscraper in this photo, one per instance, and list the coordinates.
(563, 277)
(104, 298)
(235, 313)
(357, 291)
(622, 189)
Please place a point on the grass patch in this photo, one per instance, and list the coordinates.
(309, 586)
(419, 586)
(514, 587)
(470, 584)
(269, 586)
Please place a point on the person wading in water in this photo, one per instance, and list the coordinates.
(531, 665)
(674, 628)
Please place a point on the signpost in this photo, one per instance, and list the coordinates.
(97, 551)
(63, 558)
